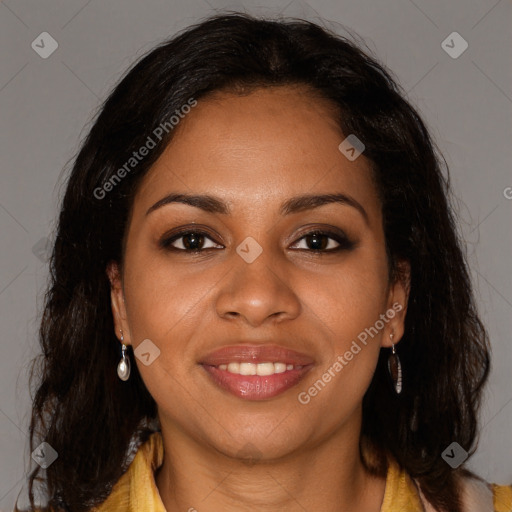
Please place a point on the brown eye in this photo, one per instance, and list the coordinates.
(318, 241)
(192, 241)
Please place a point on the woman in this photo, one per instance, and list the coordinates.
(259, 300)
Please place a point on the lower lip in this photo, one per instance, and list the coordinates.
(256, 387)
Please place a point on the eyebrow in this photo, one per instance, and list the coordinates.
(212, 204)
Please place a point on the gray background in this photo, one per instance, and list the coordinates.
(46, 105)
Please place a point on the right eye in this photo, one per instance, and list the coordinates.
(192, 241)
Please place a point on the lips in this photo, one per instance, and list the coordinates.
(256, 387)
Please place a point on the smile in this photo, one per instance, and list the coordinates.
(256, 372)
(253, 386)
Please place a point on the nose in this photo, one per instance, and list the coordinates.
(258, 291)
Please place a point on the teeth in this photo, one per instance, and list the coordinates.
(257, 369)
(265, 369)
(279, 367)
(247, 369)
(234, 367)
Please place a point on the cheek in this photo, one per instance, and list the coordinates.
(336, 391)
(351, 304)
(169, 308)
(162, 298)
(352, 297)
(351, 308)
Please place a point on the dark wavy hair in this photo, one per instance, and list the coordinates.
(91, 418)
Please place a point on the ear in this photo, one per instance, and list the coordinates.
(117, 302)
(397, 305)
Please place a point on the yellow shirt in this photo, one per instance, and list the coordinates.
(136, 490)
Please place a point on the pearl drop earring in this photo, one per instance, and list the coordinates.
(123, 368)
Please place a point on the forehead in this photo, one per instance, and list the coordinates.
(262, 146)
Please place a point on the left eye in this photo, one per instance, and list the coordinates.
(317, 239)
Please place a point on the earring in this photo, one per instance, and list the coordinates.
(395, 368)
(123, 368)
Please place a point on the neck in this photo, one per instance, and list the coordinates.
(329, 476)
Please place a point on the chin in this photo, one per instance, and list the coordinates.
(254, 447)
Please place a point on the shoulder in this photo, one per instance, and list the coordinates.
(481, 496)
(502, 496)
(136, 489)
(477, 495)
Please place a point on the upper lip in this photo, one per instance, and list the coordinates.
(256, 354)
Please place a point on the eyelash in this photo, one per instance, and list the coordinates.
(344, 242)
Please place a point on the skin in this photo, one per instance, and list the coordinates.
(254, 152)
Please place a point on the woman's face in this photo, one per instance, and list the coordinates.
(260, 280)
